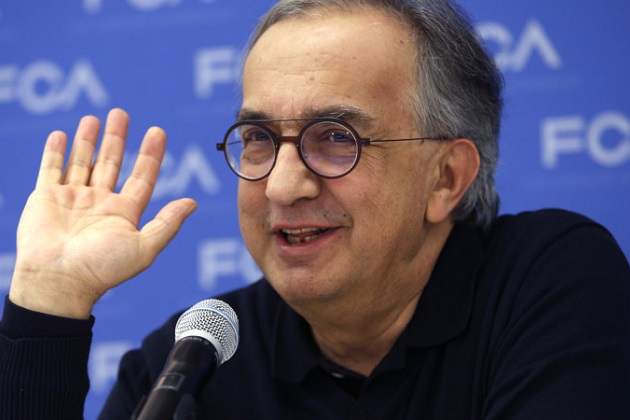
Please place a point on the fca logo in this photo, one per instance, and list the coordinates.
(225, 258)
(215, 66)
(43, 87)
(514, 54)
(605, 138)
(177, 174)
(95, 6)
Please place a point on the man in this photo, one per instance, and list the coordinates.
(391, 289)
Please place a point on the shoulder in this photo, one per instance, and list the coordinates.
(556, 261)
(530, 235)
(554, 317)
(542, 223)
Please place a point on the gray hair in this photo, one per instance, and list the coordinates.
(460, 94)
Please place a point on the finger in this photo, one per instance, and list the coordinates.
(156, 234)
(80, 160)
(140, 184)
(51, 167)
(110, 156)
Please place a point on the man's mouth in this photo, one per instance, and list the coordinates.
(302, 235)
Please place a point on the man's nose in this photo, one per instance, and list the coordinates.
(290, 180)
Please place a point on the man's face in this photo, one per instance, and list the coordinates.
(362, 236)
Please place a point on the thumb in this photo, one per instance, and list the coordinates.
(156, 234)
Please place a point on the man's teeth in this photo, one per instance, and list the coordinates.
(302, 235)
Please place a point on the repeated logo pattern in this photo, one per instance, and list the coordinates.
(176, 63)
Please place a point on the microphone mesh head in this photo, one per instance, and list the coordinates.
(213, 320)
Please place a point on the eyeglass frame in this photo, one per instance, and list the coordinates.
(297, 140)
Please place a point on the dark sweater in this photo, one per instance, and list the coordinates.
(527, 320)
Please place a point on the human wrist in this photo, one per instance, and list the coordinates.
(42, 292)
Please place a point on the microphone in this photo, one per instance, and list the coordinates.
(206, 336)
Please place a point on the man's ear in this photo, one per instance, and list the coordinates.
(458, 166)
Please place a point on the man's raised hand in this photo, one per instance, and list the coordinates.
(77, 237)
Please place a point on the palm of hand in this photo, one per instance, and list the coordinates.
(77, 238)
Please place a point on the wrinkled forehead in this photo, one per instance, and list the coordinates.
(330, 56)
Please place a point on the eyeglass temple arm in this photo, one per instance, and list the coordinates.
(366, 142)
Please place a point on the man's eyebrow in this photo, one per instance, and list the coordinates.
(343, 112)
(249, 115)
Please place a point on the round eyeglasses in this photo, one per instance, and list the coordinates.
(329, 147)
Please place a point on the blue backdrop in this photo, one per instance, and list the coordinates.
(565, 139)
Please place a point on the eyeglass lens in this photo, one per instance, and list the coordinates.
(328, 148)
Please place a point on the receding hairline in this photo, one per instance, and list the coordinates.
(314, 11)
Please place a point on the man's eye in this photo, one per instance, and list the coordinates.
(339, 137)
(254, 135)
